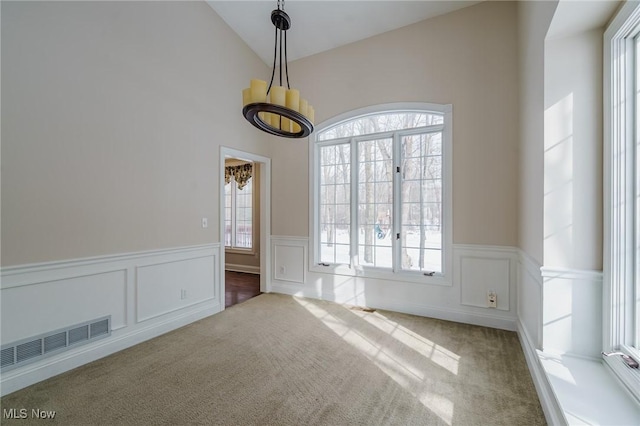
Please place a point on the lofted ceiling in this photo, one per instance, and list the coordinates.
(572, 17)
(317, 26)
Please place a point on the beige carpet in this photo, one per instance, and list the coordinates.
(279, 360)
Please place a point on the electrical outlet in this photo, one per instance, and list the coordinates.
(205, 222)
(492, 299)
(283, 270)
(183, 294)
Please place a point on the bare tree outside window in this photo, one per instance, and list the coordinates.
(389, 151)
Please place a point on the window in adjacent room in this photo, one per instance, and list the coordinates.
(238, 191)
(382, 191)
(622, 194)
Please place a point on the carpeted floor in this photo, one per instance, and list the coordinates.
(280, 360)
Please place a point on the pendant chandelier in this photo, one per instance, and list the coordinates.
(278, 110)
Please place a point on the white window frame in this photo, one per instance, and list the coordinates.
(445, 278)
(620, 273)
(234, 190)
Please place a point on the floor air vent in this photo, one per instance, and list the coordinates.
(28, 350)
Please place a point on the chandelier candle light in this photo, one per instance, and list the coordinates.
(278, 110)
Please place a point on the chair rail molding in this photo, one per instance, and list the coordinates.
(145, 293)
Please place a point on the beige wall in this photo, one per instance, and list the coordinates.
(467, 58)
(112, 118)
(534, 19)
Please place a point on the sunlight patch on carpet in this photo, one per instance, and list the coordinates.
(398, 367)
(436, 353)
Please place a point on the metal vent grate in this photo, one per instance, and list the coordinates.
(8, 357)
(55, 341)
(28, 350)
(99, 328)
(79, 334)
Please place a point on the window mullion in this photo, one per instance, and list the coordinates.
(317, 205)
(233, 213)
(635, 197)
(627, 195)
(397, 211)
(353, 247)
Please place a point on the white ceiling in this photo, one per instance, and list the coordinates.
(320, 25)
(572, 17)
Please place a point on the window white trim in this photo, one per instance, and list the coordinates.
(233, 248)
(446, 277)
(619, 185)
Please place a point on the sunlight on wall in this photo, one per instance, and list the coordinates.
(558, 182)
(399, 366)
(341, 289)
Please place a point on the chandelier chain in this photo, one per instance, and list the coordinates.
(286, 63)
(275, 52)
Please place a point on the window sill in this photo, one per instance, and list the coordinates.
(587, 392)
(387, 275)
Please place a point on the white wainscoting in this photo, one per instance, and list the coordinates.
(477, 269)
(560, 330)
(481, 269)
(572, 312)
(529, 289)
(146, 294)
(290, 260)
(530, 299)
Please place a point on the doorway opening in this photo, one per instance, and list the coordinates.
(245, 196)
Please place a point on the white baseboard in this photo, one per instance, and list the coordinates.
(146, 294)
(247, 269)
(448, 314)
(477, 269)
(548, 400)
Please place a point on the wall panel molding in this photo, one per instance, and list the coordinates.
(480, 269)
(572, 274)
(146, 294)
(572, 312)
(530, 266)
(290, 257)
(418, 298)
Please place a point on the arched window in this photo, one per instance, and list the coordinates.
(382, 189)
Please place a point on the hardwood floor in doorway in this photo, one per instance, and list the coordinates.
(240, 286)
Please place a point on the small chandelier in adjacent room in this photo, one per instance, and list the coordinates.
(278, 110)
